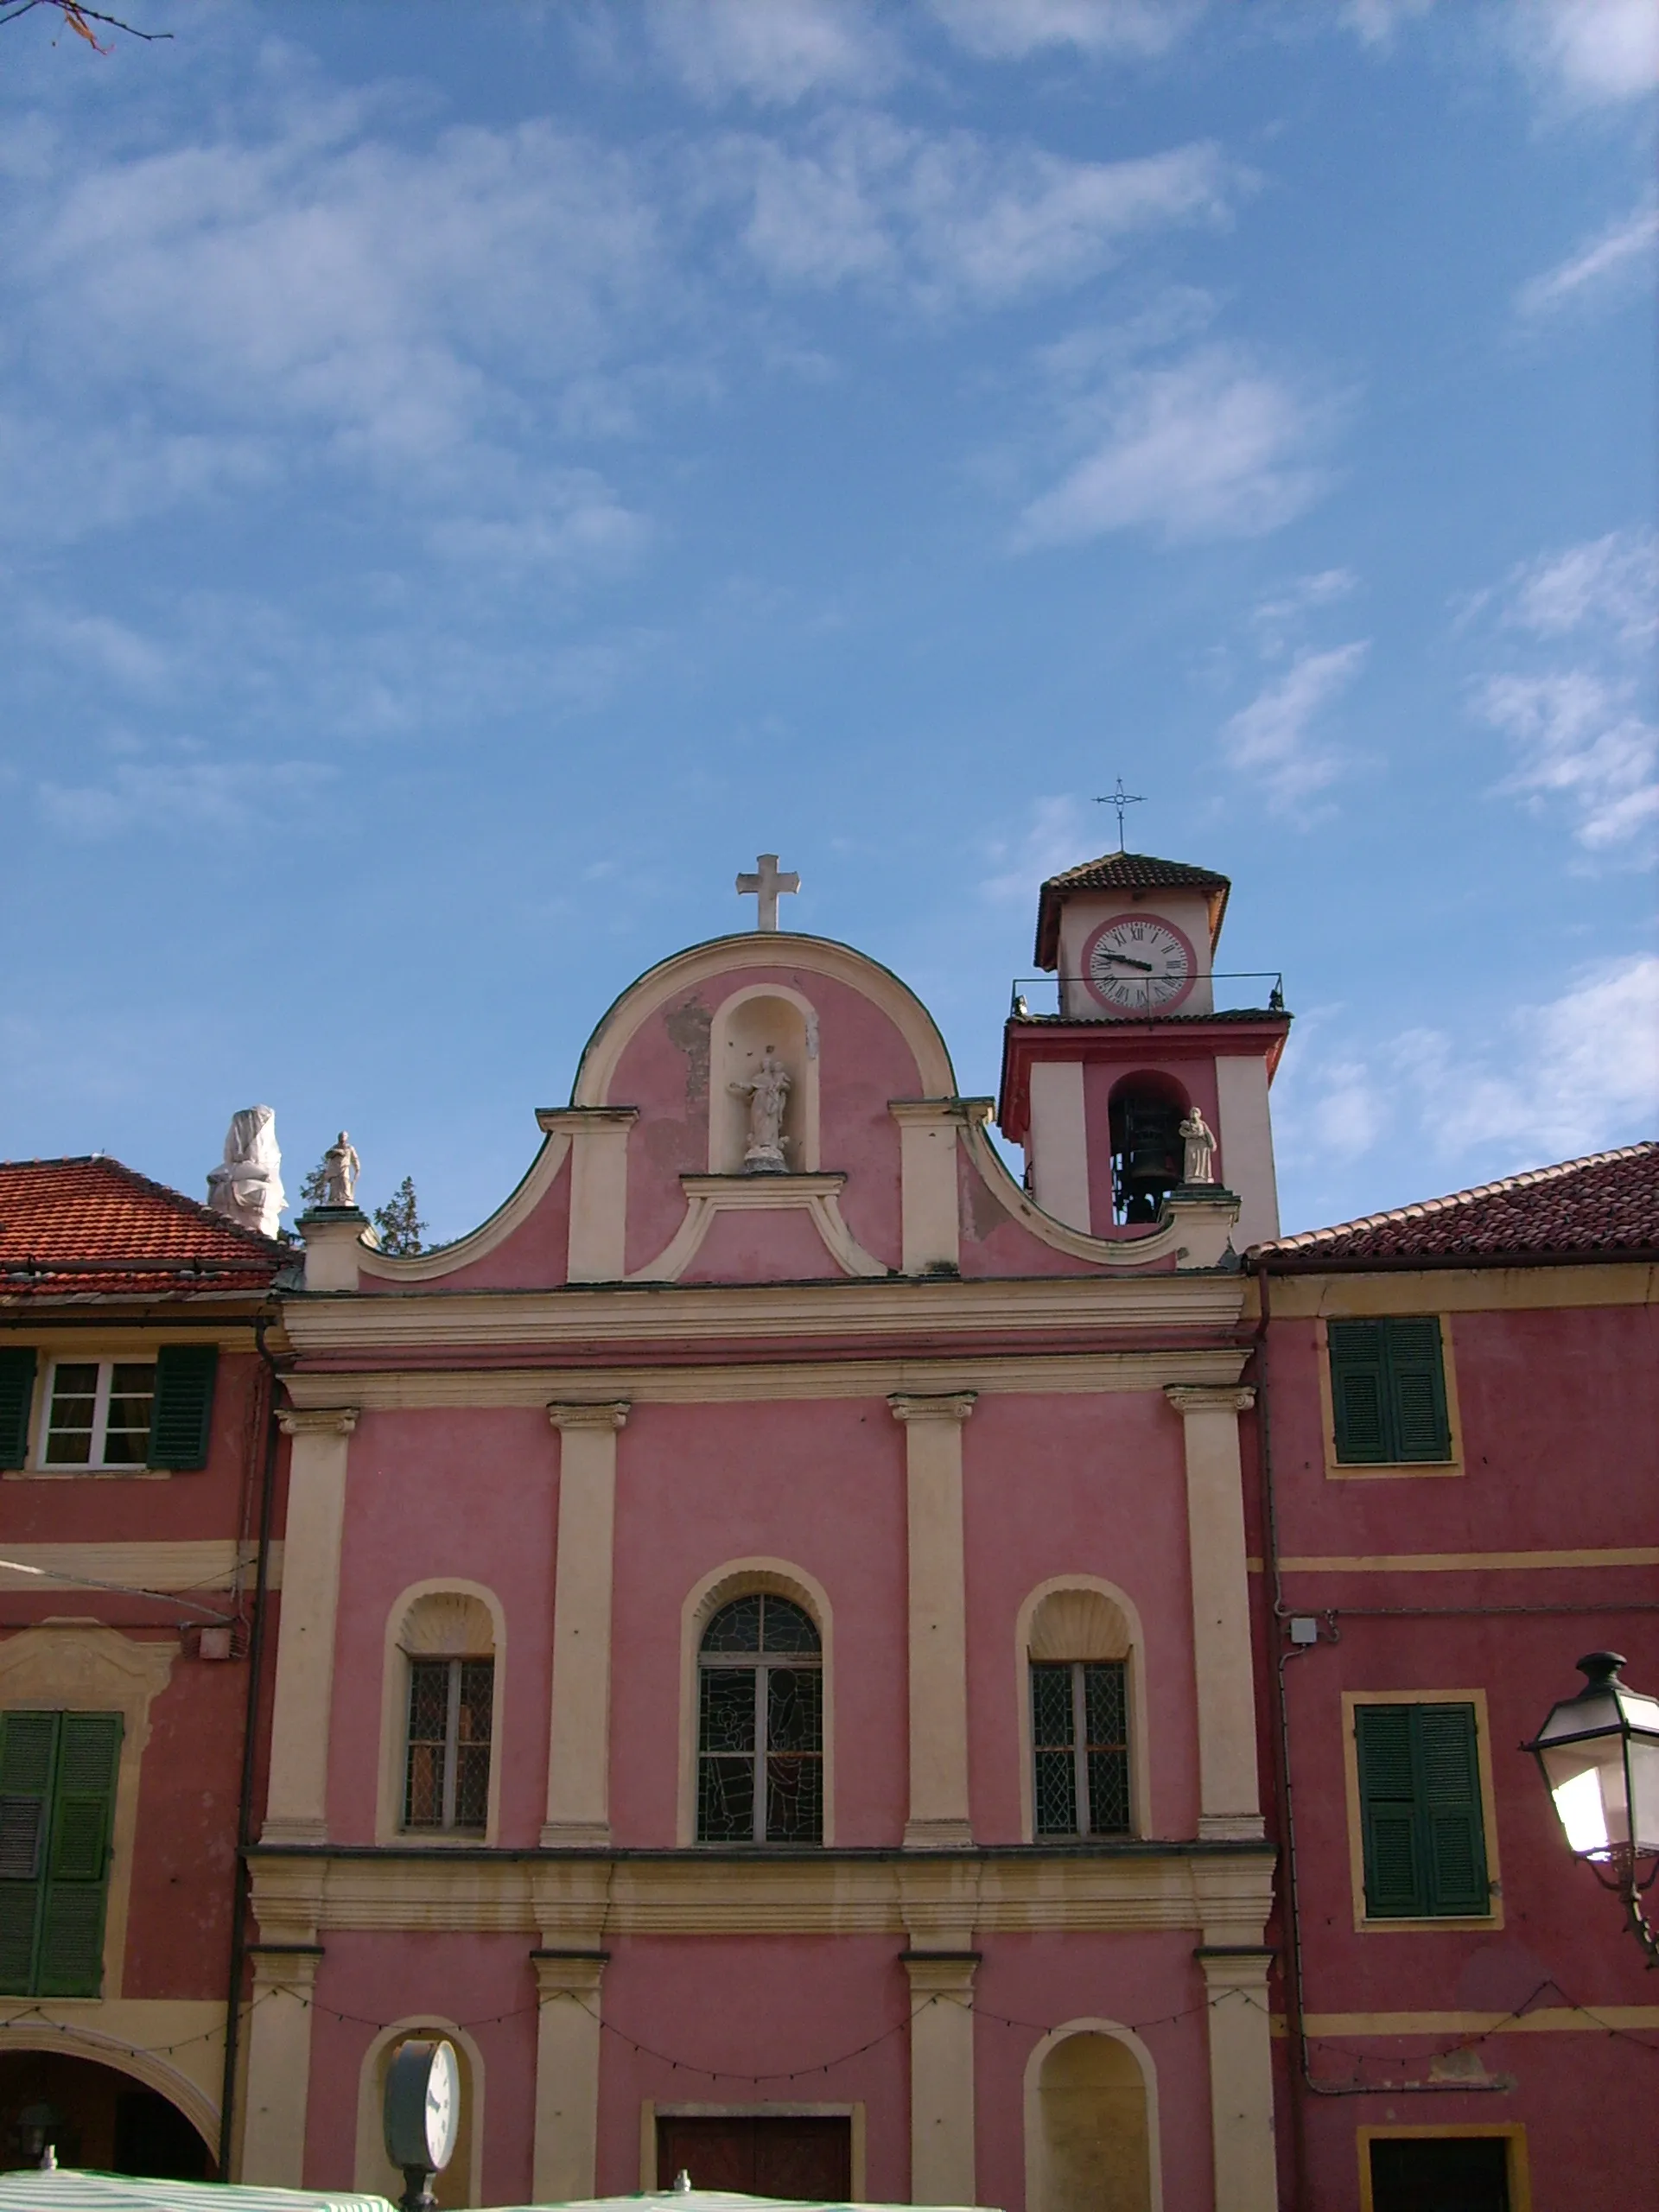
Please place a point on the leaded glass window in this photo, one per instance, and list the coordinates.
(447, 1774)
(1080, 1743)
(761, 1724)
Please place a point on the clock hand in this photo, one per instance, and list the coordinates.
(1124, 960)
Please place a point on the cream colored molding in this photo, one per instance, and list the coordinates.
(1363, 1923)
(1241, 2078)
(78, 1666)
(765, 1381)
(1195, 1234)
(206, 1563)
(278, 2066)
(939, 1816)
(129, 1340)
(430, 1267)
(1229, 1801)
(1039, 2194)
(1141, 1822)
(708, 1196)
(1544, 2019)
(727, 1314)
(941, 2080)
(1469, 1562)
(1465, 1290)
(568, 2031)
(394, 1712)
(732, 1578)
(579, 1740)
(1339, 1471)
(598, 1188)
(296, 1794)
(784, 954)
(130, 2035)
(582, 1902)
(931, 1205)
(373, 2171)
(334, 1251)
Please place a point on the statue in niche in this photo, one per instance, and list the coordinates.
(340, 1168)
(1199, 1158)
(247, 1186)
(767, 1092)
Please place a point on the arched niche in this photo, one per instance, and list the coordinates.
(761, 1019)
(1091, 2123)
(461, 2181)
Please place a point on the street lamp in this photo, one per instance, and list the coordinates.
(1598, 1753)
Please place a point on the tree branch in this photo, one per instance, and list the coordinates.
(78, 18)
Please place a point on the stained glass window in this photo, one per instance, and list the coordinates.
(446, 1776)
(761, 1724)
(1080, 1747)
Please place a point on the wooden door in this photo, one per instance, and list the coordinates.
(759, 2154)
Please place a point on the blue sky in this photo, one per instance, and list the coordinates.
(472, 477)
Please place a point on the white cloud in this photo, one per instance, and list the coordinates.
(955, 217)
(570, 520)
(1576, 719)
(1589, 51)
(1211, 447)
(1621, 256)
(776, 52)
(1010, 29)
(1057, 835)
(186, 798)
(1273, 619)
(1376, 21)
(1275, 739)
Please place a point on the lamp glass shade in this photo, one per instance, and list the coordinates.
(1599, 1752)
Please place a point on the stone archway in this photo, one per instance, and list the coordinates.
(95, 2115)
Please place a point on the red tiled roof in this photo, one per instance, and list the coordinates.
(1124, 872)
(1605, 1207)
(91, 1228)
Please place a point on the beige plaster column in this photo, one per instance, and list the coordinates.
(296, 1807)
(930, 1212)
(579, 1743)
(1241, 2078)
(941, 2077)
(1230, 1805)
(277, 2067)
(938, 1624)
(567, 2075)
(599, 1186)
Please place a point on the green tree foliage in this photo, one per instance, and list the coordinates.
(398, 1223)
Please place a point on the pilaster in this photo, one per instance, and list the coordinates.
(1240, 2077)
(942, 2076)
(599, 1186)
(1230, 1802)
(578, 1759)
(939, 1817)
(568, 2034)
(278, 2065)
(334, 1246)
(930, 1210)
(296, 1807)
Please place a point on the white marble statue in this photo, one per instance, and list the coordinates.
(1199, 1158)
(247, 1188)
(340, 1168)
(767, 1092)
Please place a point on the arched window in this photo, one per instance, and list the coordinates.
(1079, 1665)
(761, 1724)
(448, 1642)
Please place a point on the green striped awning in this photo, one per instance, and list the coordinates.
(65, 2189)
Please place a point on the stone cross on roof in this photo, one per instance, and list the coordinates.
(765, 888)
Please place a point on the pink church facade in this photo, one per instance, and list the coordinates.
(765, 1653)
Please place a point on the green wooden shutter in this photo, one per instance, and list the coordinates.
(1359, 1397)
(17, 1396)
(1449, 1797)
(1395, 1883)
(29, 1743)
(183, 1410)
(1417, 1389)
(71, 1961)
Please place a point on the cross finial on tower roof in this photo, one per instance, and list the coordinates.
(1120, 798)
(764, 887)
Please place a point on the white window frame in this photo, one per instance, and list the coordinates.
(98, 1464)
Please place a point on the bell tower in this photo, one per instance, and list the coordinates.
(1096, 1093)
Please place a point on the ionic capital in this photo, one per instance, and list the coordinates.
(1209, 1398)
(612, 1414)
(317, 1420)
(955, 1405)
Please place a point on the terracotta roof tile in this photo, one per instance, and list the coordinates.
(1602, 1206)
(1124, 872)
(91, 1228)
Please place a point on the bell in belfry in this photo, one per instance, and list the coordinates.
(1147, 1152)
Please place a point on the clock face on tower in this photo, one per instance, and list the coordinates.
(1140, 964)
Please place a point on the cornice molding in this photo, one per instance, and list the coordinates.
(710, 1195)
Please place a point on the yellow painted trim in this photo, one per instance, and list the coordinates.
(1140, 1730)
(211, 1564)
(1463, 1562)
(394, 1715)
(132, 2034)
(1339, 1471)
(703, 1601)
(1513, 2132)
(373, 2170)
(1036, 2185)
(80, 1667)
(651, 2112)
(1548, 2019)
(1467, 1290)
(1363, 1925)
